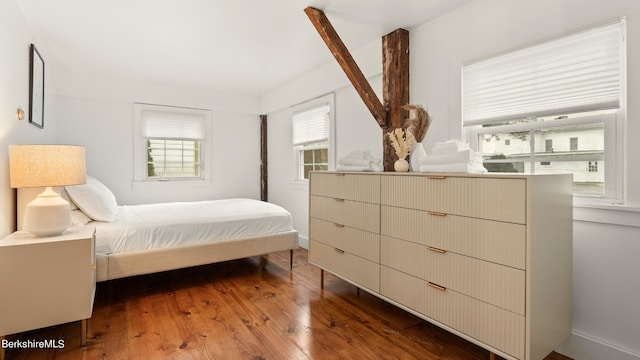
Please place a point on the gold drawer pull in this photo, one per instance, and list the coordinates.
(435, 249)
(339, 250)
(338, 199)
(435, 213)
(436, 177)
(338, 225)
(437, 287)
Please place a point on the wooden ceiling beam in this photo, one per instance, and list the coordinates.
(348, 64)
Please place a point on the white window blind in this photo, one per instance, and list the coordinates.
(165, 125)
(311, 126)
(580, 72)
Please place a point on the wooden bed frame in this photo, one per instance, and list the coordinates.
(120, 265)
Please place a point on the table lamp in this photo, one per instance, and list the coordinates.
(46, 166)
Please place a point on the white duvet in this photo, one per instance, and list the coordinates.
(150, 226)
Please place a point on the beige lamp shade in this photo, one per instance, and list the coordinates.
(46, 165)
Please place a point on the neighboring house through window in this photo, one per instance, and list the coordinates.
(171, 143)
(544, 100)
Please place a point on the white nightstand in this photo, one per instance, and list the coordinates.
(46, 281)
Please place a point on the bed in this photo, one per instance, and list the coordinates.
(143, 239)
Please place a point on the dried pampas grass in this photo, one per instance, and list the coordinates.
(418, 125)
(401, 142)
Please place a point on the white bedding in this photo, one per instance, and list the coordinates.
(150, 226)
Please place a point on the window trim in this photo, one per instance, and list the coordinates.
(328, 99)
(140, 146)
(616, 154)
(613, 192)
(311, 147)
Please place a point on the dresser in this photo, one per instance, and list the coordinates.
(487, 257)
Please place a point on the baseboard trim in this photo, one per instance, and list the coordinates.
(303, 242)
(582, 347)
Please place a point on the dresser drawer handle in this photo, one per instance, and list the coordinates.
(435, 213)
(338, 225)
(340, 174)
(436, 177)
(338, 199)
(339, 250)
(437, 287)
(435, 249)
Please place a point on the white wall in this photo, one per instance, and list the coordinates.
(606, 240)
(355, 127)
(15, 37)
(98, 113)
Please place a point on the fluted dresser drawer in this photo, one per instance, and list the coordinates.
(499, 242)
(348, 266)
(492, 325)
(472, 197)
(499, 285)
(355, 241)
(355, 187)
(360, 215)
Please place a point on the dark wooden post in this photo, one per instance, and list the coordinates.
(264, 191)
(395, 87)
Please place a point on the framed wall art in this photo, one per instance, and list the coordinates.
(36, 88)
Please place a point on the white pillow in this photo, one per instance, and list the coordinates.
(94, 199)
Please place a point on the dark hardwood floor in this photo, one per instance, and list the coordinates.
(237, 310)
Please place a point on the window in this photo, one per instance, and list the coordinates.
(548, 145)
(170, 143)
(313, 159)
(545, 100)
(167, 158)
(311, 137)
(573, 144)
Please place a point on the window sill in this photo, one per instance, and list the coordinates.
(607, 214)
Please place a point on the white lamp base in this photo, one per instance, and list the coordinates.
(47, 215)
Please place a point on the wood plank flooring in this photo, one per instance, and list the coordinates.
(240, 310)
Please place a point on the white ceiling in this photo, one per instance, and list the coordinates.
(238, 46)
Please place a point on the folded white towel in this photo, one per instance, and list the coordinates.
(450, 146)
(454, 168)
(359, 160)
(359, 168)
(448, 158)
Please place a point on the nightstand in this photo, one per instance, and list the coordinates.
(46, 281)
